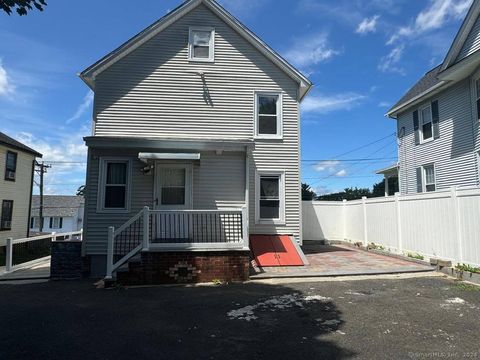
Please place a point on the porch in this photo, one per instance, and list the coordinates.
(173, 231)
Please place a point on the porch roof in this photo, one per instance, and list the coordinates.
(169, 143)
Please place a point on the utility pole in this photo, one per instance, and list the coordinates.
(41, 169)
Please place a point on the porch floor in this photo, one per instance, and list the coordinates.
(340, 260)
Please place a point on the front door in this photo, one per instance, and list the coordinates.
(173, 191)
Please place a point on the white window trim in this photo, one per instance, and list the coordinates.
(281, 196)
(53, 222)
(101, 185)
(188, 186)
(476, 96)
(279, 134)
(424, 177)
(422, 140)
(211, 51)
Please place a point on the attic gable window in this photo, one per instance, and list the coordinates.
(201, 44)
(268, 115)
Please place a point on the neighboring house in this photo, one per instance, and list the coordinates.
(17, 163)
(193, 113)
(390, 175)
(438, 118)
(60, 213)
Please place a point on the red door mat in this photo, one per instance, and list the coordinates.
(274, 250)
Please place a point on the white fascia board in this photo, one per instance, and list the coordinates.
(434, 89)
(168, 156)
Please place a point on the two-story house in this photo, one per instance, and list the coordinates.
(61, 213)
(17, 163)
(438, 118)
(197, 119)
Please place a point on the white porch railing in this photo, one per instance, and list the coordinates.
(177, 230)
(20, 253)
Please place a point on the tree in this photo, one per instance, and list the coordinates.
(81, 191)
(347, 194)
(21, 6)
(307, 193)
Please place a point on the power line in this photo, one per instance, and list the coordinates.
(366, 145)
(385, 159)
(65, 162)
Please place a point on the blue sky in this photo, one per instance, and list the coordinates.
(362, 56)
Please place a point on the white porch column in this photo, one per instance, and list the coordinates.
(387, 192)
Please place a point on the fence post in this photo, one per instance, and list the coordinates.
(458, 228)
(81, 234)
(9, 255)
(365, 236)
(111, 232)
(54, 236)
(146, 228)
(399, 222)
(344, 218)
(245, 227)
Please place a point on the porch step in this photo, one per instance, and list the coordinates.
(131, 264)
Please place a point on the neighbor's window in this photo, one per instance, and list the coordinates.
(173, 182)
(201, 44)
(115, 184)
(477, 87)
(6, 216)
(34, 222)
(427, 123)
(429, 178)
(11, 166)
(270, 197)
(56, 222)
(268, 115)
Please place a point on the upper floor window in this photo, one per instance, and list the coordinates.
(11, 166)
(268, 115)
(427, 123)
(35, 222)
(201, 44)
(114, 185)
(6, 215)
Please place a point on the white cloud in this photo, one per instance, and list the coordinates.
(242, 7)
(384, 104)
(341, 173)
(5, 85)
(82, 108)
(329, 165)
(324, 104)
(310, 50)
(390, 62)
(368, 25)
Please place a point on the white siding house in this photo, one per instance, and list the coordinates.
(438, 119)
(60, 214)
(195, 113)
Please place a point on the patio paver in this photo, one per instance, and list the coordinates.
(339, 260)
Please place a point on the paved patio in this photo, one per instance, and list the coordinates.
(339, 260)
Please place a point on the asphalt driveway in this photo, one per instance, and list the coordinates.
(423, 317)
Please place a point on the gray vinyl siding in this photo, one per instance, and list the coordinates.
(453, 153)
(472, 43)
(218, 182)
(154, 92)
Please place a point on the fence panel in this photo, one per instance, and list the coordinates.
(442, 224)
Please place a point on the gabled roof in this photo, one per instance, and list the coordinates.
(57, 205)
(436, 78)
(89, 74)
(7, 140)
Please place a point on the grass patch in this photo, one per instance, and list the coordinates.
(469, 268)
(415, 256)
(466, 287)
(376, 247)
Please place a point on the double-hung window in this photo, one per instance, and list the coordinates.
(56, 222)
(6, 215)
(270, 197)
(11, 166)
(114, 185)
(268, 115)
(35, 222)
(201, 44)
(427, 123)
(429, 182)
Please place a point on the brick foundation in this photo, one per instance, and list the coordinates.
(187, 267)
(66, 261)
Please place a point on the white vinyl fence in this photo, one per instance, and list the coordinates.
(443, 224)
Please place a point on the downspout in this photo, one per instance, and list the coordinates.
(247, 185)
